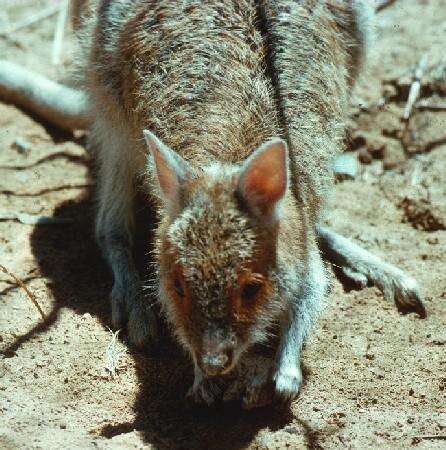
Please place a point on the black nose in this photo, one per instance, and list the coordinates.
(214, 364)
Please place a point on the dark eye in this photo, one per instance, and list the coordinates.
(178, 287)
(250, 290)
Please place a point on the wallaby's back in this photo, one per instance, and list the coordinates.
(215, 79)
(192, 72)
(315, 52)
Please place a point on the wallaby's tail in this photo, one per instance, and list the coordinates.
(60, 105)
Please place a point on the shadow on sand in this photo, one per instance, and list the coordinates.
(69, 259)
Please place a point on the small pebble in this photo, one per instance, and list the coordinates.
(345, 166)
(394, 155)
(364, 156)
(22, 146)
(376, 149)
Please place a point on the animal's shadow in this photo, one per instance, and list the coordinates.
(69, 258)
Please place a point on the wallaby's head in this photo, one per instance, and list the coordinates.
(217, 248)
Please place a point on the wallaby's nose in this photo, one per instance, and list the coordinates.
(214, 364)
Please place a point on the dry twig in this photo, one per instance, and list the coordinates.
(59, 32)
(431, 437)
(33, 219)
(47, 12)
(30, 295)
(46, 190)
(428, 105)
(415, 87)
(381, 4)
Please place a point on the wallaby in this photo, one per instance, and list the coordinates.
(229, 113)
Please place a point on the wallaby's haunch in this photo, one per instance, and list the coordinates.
(229, 113)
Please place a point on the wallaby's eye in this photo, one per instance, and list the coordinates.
(178, 287)
(250, 290)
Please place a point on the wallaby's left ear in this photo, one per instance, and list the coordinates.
(171, 169)
(263, 179)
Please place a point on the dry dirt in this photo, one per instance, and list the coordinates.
(374, 378)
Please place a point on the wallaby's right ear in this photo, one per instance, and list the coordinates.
(171, 169)
(263, 179)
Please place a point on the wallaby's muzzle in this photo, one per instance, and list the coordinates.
(213, 364)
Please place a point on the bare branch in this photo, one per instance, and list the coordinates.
(414, 92)
(33, 219)
(30, 295)
(427, 105)
(47, 12)
(381, 4)
(59, 32)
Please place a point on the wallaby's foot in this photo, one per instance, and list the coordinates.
(269, 385)
(364, 268)
(283, 387)
(258, 396)
(264, 388)
(129, 310)
(287, 382)
(204, 391)
(259, 390)
(269, 382)
(142, 325)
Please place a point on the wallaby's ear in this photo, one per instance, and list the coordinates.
(171, 169)
(264, 176)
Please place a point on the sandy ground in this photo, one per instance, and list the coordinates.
(374, 378)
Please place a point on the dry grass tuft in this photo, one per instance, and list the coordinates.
(113, 354)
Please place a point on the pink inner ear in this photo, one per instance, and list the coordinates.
(167, 178)
(171, 168)
(264, 180)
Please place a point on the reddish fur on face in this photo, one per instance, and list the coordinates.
(216, 248)
(245, 309)
(179, 292)
(242, 309)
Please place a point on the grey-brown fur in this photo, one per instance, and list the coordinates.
(203, 78)
(214, 81)
(314, 69)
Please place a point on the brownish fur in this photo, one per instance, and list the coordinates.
(314, 70)
(236, 251)
(215, 81)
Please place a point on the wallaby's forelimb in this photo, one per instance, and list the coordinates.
(64, 107)
(114, 232)
(363, 267)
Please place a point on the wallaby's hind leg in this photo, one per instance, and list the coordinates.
(114, 232)
(363, 267)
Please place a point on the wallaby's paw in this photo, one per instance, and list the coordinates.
(204, 392)
(142, 326)
(259, 388)
(128, 308)
(287, 383)
(258, 395)
(118, 310)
